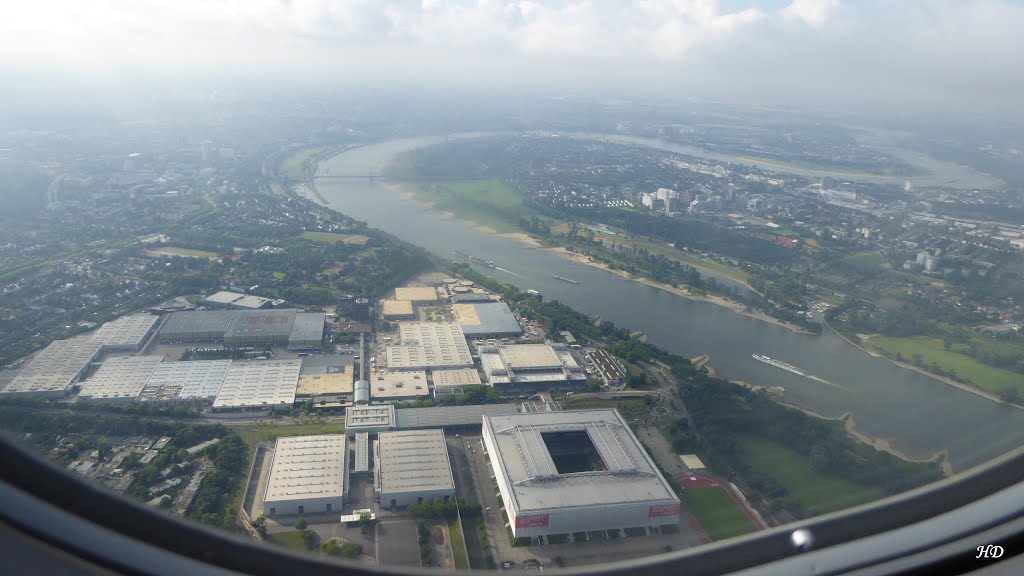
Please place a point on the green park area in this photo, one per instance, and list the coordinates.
(717, 512)
(927, 351)
(334, 238)
(291, 540)
(487, 202)
(816, 491)
(686, 258)
(458, 544)
(251, 434)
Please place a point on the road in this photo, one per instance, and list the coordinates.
(464, 490)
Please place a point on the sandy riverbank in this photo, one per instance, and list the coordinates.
(682, 292)
(919, 370)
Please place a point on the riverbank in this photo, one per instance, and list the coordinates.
(965, 387)
(732, 305)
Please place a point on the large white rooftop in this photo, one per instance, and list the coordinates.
(602, 461)
(259, 383)
(120, 378)
(195, 379)
(413, 460)
(369, 417)
(126, 331)
(404, 384)
(525, 363)
(237, 300)
(55, 367)
(307, 467)
(426, 345)
(456, 377)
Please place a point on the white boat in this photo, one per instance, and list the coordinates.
(779, 364)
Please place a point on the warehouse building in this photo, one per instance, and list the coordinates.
(259, 384)
(398, 386)
(328, 388)
(417, 294)
(412, 467)
(452, 382)
(371, 419)
(487, 320)
(285, 327)
(260, 327)
(308, 475)
(532, 367)
(574, 471)
(362, 454)
(238, 301)
(194, 380)
(429, 345)
(196, 326)
(127, 332)
(120, 379)
(307, 331)
(449, 418)
(473, 297)
(397, 309)
(55, 368)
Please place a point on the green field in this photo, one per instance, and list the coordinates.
(817, 492)
(986, 377)
(680, 256)
(717, 512)
(334, 238)
(183, 252)
(291, 540)
(291, 166)
(487, 202)
(253, 433)
(866, 263)
(458, 545)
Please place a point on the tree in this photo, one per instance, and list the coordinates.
(350, 550)
(301, 524)
(166, 501)
(330, 548)
(364, 523)
(308, 538)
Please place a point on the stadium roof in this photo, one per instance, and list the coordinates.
(55, 367)
(413, 461)
(486, 318)
(128, 330)
(120, 378)
(308, 467)
(259, 383)
(195, 379)
(522, 455)
(448, 416)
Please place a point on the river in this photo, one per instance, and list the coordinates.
(915, 413)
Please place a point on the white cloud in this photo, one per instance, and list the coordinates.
(813, 12)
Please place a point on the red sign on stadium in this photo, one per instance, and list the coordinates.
(663, 510)
(531, 521)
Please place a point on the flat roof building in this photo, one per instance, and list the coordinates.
(278, 327)
(486, 319)
(193, 380)
(532, 367)
(308, 475)
(448, 417)
(417, 294)
(127, 332)
(53, 369)
(397, 309)
(403, 385)
(427, 345)
(307, 331)
(573, 471)
(362, 461)
(260, 327)
(372, 419)
(452, 382)
(224, 299)
(329, 384)
(120, 378)
(196, 326)
(412, 467)
(259, 383)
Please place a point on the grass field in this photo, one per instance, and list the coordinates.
(717, 512)
(253, 433)
(333, 238)
(183, 252)
(291, 540)
(458, 545)
(986, 377)
(291, 166)
(680, 256)
(487, 202)
(864, 262)
(820, 492)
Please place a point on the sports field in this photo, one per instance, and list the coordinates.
(717, 512)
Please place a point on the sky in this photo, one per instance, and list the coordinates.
(902, 54)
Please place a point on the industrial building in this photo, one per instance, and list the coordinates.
(451, 418)
(127, 332)
(327, 387)
(417, 294)
(532, 367)
(55, 368)
(121, 378)
(238, 301)
(259, 384)
(395, 386)
(397, 309)
(429, 345)
(308, 475)
(412, 467)
(575, 471)
(487, 320)
(451, 382)
(362, 456)
(285, 327)
(473, 297)
(194, 380)
(371, 419)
